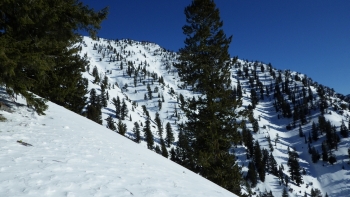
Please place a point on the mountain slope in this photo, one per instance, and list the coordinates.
(70, 155)
(142, 74)
(140, 69)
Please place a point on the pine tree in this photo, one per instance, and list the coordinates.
(137, 132)
(258, 161)
(110, 123)
(103, 96)
(294, 167)
(284, 193)
(148, 134)
(149, 92)
(163, 148)
(169, 138)
(301, 134)
(159, 125)
(124, 110)
(36, 49)
(117, 105)
(343, 130)
(94, 109)
(121, 127)
(205, 66)
(252, 174)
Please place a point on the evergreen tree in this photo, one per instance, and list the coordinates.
(183, 151)
(110, 123)
(37, 50)
(103, 96)
(284, 193)
(163, 148)
(258, 161)
(137, 132)
(315, 156)
(94, 109)
(205, 65)
(272, 165)
(124, 110)
(294, 167)
(121, 127)
(343, 130)
(117, 105)
(148, 134)
(169, 138)
(149, 91)
(301, 134)
(159, 125)
(252, 174)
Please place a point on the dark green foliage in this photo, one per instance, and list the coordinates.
(159, 125)
(332, 159)
(103, 96)
(205, 66)
(258, 161)
(255, 125)
(121, 128)
(183, 152)
(157, 149)
(294, 168)
(149, 92)
(169, 138)
(159, 105)
(324, 151)
(315, 192)
(272, 165)
(124, 110)
(38, 51)
(163, 149)
(252, 174)
(148, 134)
(94, 108)
(117, 105)
(284, 193)
(315, 156)
(137, 132)
(343, 130)
(110, 123)
(301, 134)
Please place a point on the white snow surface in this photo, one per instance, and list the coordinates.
(73, 156)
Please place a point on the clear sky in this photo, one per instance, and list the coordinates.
(308, 36)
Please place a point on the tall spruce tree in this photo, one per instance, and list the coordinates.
(148, 134)
(38, 51)
(169, 139)
(205, 67)
(137, 132)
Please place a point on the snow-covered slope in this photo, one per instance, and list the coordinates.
(70, 155)
(152, 62)
(74, 156)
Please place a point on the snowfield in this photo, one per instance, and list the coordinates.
(73, 156)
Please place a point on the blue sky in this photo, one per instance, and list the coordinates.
(310, 37)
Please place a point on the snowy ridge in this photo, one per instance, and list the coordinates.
(73, 156)
(319, 175)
